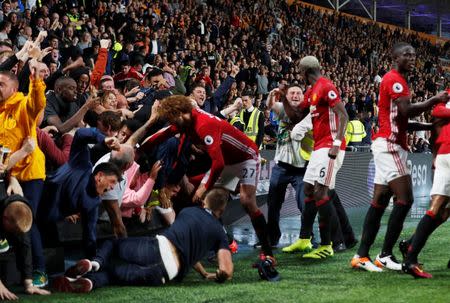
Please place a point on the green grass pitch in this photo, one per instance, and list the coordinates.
(327, 281)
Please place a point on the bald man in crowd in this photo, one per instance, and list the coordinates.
(112, 199)
(62, 110)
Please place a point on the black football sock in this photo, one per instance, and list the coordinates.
(410, 240)
(425, 228)
(370, 228)
(395, 226)
(325, 211)
(308, 217)
(260, 226)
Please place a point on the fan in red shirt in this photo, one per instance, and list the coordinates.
(329, 119)
(390, 154)
(128, 72)
(439, 210)
(235, 158)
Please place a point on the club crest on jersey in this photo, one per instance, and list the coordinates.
(209, 140)
(397, 88)
(332, 95)
(314, 99)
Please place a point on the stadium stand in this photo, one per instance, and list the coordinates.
(90, 76)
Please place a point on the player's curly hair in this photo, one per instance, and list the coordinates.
(172, 107)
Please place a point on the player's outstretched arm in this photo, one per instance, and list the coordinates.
(225, 271)
(417, 126)
(201, 270)
(140, 133)
(408, 109)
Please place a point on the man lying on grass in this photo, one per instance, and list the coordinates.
(153, 261)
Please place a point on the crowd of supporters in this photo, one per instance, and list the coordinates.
(105, 65)
(200, 42)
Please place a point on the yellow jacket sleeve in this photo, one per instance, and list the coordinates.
(36, 97)
(348, 132)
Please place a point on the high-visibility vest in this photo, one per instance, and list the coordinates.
(236, 119)
(307, 146)
(251, 128)
(74, 19)
(153, 201)
(355, 132)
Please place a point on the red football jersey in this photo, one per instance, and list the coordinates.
(321, 98)
(393, 127)
(442, 111)
(225, 144)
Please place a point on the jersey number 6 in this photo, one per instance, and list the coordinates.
(322, 172)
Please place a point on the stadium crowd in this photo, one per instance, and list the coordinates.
(83, 83)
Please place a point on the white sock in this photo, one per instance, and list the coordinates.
(95, 265)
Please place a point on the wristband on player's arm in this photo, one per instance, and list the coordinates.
(337, 142)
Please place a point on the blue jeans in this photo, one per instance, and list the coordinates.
(139, 263)
(32, 190)
(281, 177)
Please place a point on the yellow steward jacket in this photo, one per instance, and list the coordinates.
(18, 115)
(355, 132)
(252, 127)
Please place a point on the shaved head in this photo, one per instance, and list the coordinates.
(12, 77)
(404, 56)
(9, 85)
(398, 48)
(66, 88)
(63, 81)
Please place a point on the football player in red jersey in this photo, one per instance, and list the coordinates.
(390, 154)
(329, 119)
(439, 210)
(235, 158)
